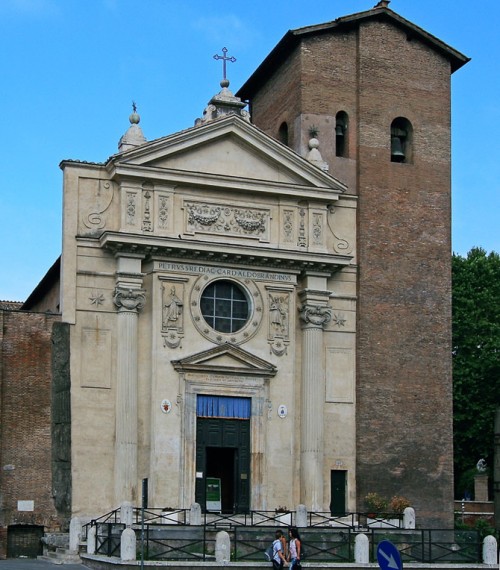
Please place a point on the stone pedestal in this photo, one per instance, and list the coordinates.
(481, 487)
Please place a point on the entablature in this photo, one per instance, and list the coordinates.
(151, 247)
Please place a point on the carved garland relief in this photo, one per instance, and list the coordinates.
(227, 220)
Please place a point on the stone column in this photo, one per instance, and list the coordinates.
(129, 298)
(314, 316)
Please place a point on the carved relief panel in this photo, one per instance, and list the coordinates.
(172, 317)
(146, 209)
(96, 196)
(279, 316)
(221, 219)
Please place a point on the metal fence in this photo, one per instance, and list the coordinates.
(168, 536)
(432, 545)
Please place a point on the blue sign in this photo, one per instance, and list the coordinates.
(388, 556)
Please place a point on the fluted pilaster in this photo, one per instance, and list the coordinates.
(312, 403)
(129, 302)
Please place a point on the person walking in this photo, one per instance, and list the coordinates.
(294, 549)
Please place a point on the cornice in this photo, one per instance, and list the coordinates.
(265, 258)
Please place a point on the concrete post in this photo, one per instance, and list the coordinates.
(91, 539)
(361, 549)
(490, 556)
(128, 546)
(222, 547)
(301, 516)
(127, 514)
(195, 515)
(409, 518)
(75, 535)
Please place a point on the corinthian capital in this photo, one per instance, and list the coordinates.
(317, 315)
(129, 299)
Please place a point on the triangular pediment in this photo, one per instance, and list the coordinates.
(228, 148)
(226, 359)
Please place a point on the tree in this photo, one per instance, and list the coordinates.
(476, 361)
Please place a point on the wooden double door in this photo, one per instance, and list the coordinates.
(223, 453)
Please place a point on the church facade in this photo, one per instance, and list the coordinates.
(210, 281)
(265, 303)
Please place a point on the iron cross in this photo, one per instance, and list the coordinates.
(224, 58)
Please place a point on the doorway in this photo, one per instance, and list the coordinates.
(223, 452)
(222, 465)
(338, 483)
(24, 541)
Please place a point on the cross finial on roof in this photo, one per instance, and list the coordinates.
(224, 59)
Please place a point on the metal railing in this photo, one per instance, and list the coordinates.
(168, 536)
(431, 545)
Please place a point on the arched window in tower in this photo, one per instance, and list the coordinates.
(401, 140)
(341, 124)
(283, 133)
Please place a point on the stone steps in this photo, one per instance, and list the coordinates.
(61, 556)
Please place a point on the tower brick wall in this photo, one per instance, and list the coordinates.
(375, 72)
(25, 427)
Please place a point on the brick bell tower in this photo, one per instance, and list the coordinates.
(377, 89)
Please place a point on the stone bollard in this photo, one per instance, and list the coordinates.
(75, 535)
(195, 515)
(222, 547)
(128, 545)
(361, 549)
(127, 514)
(91, 538)
(409, 518)
(490, 551)
(301, 516)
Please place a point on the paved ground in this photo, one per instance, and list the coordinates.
(32, 564)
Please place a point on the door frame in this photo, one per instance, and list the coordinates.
(240, 463)
(257, 389)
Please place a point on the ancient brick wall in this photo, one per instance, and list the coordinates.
(25, 436)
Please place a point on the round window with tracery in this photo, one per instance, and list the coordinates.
(224, 306)
(226, 310)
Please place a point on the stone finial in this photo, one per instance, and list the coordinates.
(134, 136)
(314, 155)
(224, 103)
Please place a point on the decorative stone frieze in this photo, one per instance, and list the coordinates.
(226, 220)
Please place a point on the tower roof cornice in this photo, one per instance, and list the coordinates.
(380, 13)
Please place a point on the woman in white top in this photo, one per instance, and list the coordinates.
(294, 548)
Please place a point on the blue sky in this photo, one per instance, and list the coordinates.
(70, 69)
